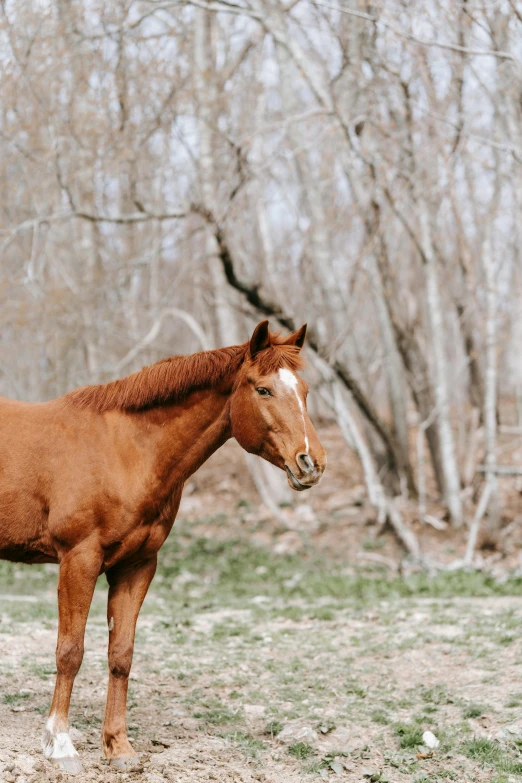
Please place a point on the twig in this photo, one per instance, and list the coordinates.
(153, 332)
(500, 470)
(422, 42)
(475, 525)
(374, 557)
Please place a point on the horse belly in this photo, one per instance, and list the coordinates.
(24, 537)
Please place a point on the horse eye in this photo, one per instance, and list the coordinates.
(262, 391)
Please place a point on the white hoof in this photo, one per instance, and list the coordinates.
(58, 748)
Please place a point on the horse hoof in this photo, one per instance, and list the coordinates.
(70, 764)
(125, 763)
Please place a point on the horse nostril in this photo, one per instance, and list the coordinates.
(305, 462)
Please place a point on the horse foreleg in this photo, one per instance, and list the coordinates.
(128, 586)
(79, 570)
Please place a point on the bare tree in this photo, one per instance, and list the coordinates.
(171, 169)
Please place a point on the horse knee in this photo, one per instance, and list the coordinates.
(120, 660)
(69, 656)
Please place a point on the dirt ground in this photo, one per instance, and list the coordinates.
(282, 652)
(253, 695)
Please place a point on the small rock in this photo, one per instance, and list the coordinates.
(291, 734)
(76, 735)
(511, 732)
(25, 763)
(260, 599)
(430, 740)
(160, 742)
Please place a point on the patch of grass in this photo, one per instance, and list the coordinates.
(356, 689)
(448, 774)
(15, 699)
(491, 753)
(301, 750)
(409, 734)
(322, 613)
(217, 715)
(515, 700)
(42, 670)
(483, 749)
(273, 728)
(507, 639)
(474, 710)
(250, 746)
(379, 716)
(291, 613)
(225, 629)
(436, 695)
(230, 571)
(237, 569)
(371, 544)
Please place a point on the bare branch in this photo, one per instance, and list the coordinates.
(422, 42)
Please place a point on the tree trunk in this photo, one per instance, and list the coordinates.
(449, 461)
(490, 400)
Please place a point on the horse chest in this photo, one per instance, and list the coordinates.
(145, 533)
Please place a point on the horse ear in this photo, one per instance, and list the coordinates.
(260, 339)
(297, 338)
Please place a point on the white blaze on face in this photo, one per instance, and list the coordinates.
(56, 745)
(290, 380)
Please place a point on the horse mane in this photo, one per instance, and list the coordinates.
(173, 379)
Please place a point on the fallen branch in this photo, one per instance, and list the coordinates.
(500, 470)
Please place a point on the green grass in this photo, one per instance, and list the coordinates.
(217, 715)
(273, 728)
(301, 750)
(491, 754)
(515, 700)
(234, 571)
(244, 626)
(250, 746)
(379, 716)
(14, 699)
(474, 710)
(409, 734)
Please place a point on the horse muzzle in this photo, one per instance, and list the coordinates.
(303, 482)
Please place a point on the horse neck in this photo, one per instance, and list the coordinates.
(184, 435)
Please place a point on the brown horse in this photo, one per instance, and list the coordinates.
(93, 481)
